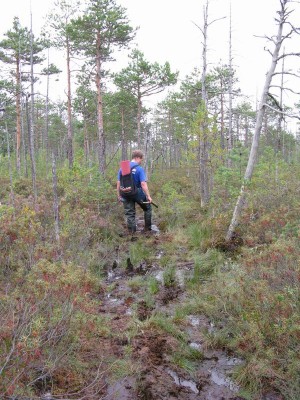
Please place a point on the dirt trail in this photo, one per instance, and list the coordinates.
(159, 377)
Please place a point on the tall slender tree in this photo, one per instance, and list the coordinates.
(283, 22)
(203, 121)
(19, 49)
(103, 28)
(59, 20)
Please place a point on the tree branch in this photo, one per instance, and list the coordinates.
(284, 88)
(199, 27)
(282, 112)
(286, 73)
(286, 55)
(215, 20)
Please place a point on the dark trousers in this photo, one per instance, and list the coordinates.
(129, 209)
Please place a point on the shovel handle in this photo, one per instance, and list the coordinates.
(147, 202)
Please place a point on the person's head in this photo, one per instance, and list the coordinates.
(137, 156)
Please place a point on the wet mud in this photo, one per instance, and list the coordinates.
(152, 350)
(151, 373)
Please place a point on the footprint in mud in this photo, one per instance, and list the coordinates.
(143, 310)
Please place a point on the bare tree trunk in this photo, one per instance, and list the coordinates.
(86, 141)
(123, 137)
(204, 144)
(55, 202)
(279, 128)
(246, 132)
(23, 136)
(18, 112)
(12, 195)
(230, 141)
(70, 128)
(101, 137)
(31, 136)
(46, 132)
(147, 148)
(258, 126)
(203, 154)
(139, 116)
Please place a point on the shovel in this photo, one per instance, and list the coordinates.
(147, 202)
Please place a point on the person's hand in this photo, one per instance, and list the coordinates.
(119, 199)
(149, 199)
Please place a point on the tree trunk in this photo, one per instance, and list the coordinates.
(18, 112)
(123, 137)
(230, 141)
(139, 116)
(101, 137)
(46, 131)
(70, 128)
(12, 195)
(23, 136)
(147, 149)
(258, 126)
(203, 148)
(31, 136)
(55, 202)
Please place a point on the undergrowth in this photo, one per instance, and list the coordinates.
(251, 293)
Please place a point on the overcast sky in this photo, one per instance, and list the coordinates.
(168, 32)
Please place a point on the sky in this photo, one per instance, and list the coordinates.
(168, 32)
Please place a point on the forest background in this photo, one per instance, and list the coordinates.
(58, 165)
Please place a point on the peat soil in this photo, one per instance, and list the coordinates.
(137, 358)
(152, 349)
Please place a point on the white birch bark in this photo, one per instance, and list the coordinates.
(258, 126)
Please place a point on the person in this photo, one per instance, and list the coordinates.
(142, 198)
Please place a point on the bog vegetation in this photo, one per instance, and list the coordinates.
(60, 222)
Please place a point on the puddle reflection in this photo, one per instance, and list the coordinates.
(182, 382)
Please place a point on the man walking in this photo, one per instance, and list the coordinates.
(142, 197)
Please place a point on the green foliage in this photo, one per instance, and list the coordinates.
(259, 299)
(174, 203)
(199, 234)
(138, 252)
(99, 17)
(187, 357)
(23, 187)
(162, 322)
(141, 78)
(153, 285)
(169, 277)
(207, 264)
(20, 238)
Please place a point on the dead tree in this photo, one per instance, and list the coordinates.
(229, 136)
(204, 144)
(55, 202)
(282, 21)
(31, 132)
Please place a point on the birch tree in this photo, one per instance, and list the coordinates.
(285, 31)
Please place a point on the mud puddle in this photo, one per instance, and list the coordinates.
(157, 378)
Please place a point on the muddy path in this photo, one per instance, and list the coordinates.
(153, 350)
(145, 350)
